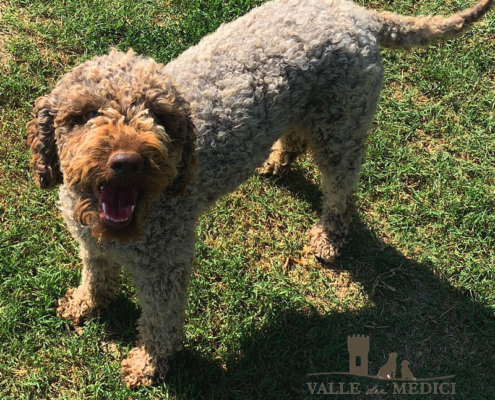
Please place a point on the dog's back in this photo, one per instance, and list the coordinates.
(292, 63)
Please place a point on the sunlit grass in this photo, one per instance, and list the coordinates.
(417, 274)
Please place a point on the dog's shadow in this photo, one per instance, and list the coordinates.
(411, 311)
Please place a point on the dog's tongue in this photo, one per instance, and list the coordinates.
(117, 202)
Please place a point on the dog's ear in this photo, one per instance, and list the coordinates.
(175, 117)
(41, 138)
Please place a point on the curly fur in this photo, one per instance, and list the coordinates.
(303, 74)
(41, 138)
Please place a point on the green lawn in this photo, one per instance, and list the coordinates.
(417, 274)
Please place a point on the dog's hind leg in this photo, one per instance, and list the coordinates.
(284, 152)
(338, 151)
(338, 123)
(339, 176)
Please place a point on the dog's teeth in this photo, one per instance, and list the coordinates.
(132, 209)
(115, 220)
(104, 207)
(101, 187)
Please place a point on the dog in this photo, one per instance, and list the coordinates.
(406, 372)
(388, 370)
(140, 150)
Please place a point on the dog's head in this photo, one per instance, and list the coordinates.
(118, 133)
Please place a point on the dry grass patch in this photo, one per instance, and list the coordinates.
(21, 29)
(327, 289)
(162, 17)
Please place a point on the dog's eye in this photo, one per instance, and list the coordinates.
(160, 119)
(82, 119)
(92, 114)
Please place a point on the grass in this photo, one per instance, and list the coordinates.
(417, 274)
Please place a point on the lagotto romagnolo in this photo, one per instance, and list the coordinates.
(140, 150)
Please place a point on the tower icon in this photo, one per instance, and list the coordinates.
(358, 346)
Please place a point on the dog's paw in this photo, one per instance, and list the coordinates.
(324, 246)
(75, 306)
(278, 163)
(141, 369)
(270, 168)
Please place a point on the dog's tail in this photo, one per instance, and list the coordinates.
(400, 32)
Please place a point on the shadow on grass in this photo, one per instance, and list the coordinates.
(411, 311)
(298, 185)
(120, 320)
(437, 329)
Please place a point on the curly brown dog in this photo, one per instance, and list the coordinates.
(141, 150)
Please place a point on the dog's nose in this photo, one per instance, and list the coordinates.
(126, 163)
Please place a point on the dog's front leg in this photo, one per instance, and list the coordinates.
(99, 286)
(162, 294)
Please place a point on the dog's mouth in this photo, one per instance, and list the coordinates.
(116, 204)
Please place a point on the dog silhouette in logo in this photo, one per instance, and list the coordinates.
(388, 370)
(406, 372)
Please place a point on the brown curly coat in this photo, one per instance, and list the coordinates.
(141, 149)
